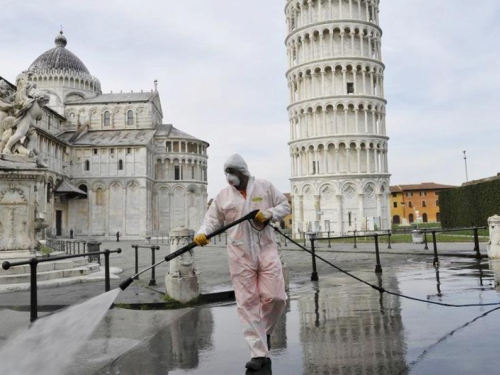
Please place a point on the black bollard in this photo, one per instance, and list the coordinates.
(355, 244)
(34, 291)
(476, 244)
(389, 234)
(425, 240)
(153, 278)
(314, 274)
(136, 248)
(436, 259)
(117, 236)
(378, 267)
(107, 284)
(329, 243)
(71, 233)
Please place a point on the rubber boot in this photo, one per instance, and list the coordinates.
(257, 363)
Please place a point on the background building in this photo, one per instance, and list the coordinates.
(113, 166)
(338, 139)
(410, 203)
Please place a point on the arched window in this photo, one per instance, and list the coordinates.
(83, 188)
(424, 218)
(107, 118)
(396, 219)
(120, 165)
(424, 204)
(411, 219)
(49, 192)
(410, 204)
(87, 165)
(98, 197)
(130, 117)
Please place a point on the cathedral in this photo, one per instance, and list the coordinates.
(112, 165)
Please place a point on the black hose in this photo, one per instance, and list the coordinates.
(383, 290)
(126, 283)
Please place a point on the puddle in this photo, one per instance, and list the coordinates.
(338, 326)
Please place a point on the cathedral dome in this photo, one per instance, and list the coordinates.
(59, 58)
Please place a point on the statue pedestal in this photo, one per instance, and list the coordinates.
(182, 281)
(494, 244)
(20, 191)
(182, 289)
(17, 162)
(494, 265)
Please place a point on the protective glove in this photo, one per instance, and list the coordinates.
(263, 216)
(201, 240)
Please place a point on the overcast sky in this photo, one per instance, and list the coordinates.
(221, 70)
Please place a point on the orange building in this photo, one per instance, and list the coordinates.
(416, 203)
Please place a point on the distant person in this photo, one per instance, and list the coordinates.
(254, 261)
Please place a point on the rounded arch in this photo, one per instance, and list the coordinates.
(116, 184)
(193, 189)
(99, 184)
(179, 189)
(133, 184)
(308, 190)
(349, 188)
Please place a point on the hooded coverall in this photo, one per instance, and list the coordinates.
(254, 261)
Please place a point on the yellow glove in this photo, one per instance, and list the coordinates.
(263, 216)
(201, 240)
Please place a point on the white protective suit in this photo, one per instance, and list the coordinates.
(254, 261)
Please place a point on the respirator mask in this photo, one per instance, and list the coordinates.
(232, 179)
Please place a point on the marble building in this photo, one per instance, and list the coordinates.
(338, 139)
(112, 165)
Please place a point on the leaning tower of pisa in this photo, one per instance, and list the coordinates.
(338, 139)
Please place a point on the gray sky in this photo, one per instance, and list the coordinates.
(221, 70)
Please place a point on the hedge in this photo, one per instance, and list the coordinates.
(469, 205)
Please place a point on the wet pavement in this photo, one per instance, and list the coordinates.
(334, 326)
(338, 326)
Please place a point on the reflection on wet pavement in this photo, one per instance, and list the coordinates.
(338, 326)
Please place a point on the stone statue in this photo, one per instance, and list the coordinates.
(6, 103)
(22, 93)
(25, 118)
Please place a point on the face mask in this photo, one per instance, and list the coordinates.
(232, 179)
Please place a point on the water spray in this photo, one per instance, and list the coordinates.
(126, 283)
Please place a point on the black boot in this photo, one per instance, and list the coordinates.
(268, 342)
(257, 363)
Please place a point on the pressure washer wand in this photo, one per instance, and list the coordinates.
(125, 284)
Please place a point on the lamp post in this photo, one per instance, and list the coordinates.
(465, 160)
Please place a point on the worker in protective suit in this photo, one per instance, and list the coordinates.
(254, 261)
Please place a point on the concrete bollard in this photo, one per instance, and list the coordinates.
(494, 244)
(182, 281)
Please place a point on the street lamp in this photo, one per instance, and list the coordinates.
(465, 160)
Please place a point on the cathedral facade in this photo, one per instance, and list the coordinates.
(112, 165)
